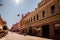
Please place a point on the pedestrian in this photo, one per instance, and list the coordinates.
(24, 34)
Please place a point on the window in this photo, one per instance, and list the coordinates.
(34, 18)
(27, 21)
(43, 13)
(37, 16)
(53, 9)
(31, 19)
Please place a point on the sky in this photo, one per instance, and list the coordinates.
(11, 8)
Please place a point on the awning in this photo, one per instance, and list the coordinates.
(57, 25)
(39, 29)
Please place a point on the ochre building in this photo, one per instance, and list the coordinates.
(2, 22)
(45, 19)
(21, 24)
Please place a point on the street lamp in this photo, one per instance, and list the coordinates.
(0, 3)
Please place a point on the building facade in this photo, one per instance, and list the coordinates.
(2, 22)
(21, 24)
(45, 19)
(15, 28)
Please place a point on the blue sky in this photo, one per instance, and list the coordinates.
(10, 9)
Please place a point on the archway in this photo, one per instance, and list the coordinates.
(5, 28)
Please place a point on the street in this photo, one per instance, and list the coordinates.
(14, 36)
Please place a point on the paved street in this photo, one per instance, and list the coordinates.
(14, 36)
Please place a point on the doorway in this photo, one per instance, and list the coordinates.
(30, 31)
(45, 31)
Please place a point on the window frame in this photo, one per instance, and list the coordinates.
(53, 10)
(43, 13)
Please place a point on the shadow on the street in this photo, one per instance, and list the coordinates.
(3, 35)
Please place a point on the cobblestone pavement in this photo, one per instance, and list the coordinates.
(14, 36)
